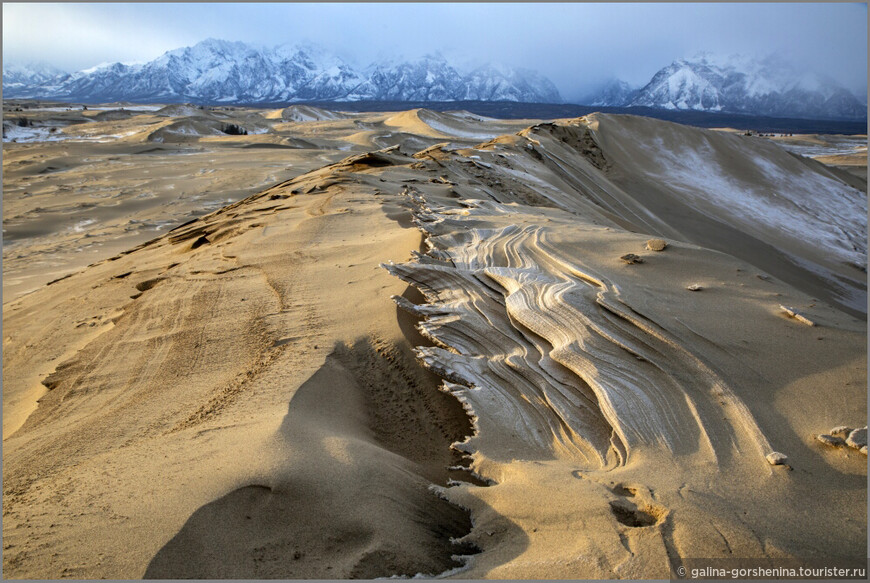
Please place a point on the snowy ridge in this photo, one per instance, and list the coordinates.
(762, 87)
(222, 71)
(15, 76)
(737, 84)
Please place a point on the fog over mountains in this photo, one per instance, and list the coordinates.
(217, 71)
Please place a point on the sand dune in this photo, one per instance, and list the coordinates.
(768, 194)
(441, 364)
(114, 115)
(193, 126)
(310, 113)
(185, 110)
(461, 125)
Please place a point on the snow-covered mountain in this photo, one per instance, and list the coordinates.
(499, 83)
(615, 92)
(222, 71)
(30, 74)
(430, 78)
(770, 86)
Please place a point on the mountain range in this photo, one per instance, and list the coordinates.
(218, 71)
(771, 87)
(235, 72)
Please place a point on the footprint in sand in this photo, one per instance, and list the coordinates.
(634, 507)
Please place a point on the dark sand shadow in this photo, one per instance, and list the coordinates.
(368, 514)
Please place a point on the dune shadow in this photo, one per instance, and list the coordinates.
(365, 439)
(408, 322)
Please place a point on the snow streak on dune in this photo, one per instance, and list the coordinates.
(460, 125)
(303, 113)
(802, 209)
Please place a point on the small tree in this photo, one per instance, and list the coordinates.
(234, 130)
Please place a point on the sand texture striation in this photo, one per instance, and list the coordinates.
(425, 354)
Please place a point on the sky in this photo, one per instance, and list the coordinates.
(577, 45)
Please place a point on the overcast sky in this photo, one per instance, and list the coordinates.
(576, 45)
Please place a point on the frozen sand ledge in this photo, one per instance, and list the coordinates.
(548, 350)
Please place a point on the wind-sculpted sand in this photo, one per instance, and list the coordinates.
(429, 357)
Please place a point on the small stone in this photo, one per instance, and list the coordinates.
(694, 287)
(656, 244)
(797, 315)
(775, 458)
(841, 431)
(830, 440)
(631, 258)
(858, 438)
(863, 450)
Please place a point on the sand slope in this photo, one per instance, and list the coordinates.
(172, 384)
(604, 419)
